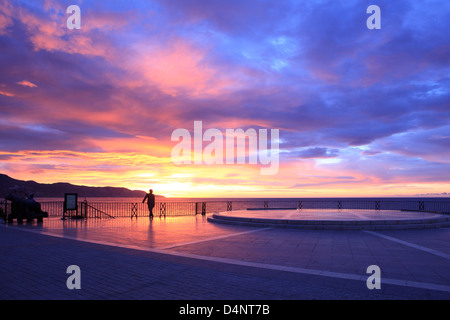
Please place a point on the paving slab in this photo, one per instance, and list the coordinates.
(191, 258)
(333, 219)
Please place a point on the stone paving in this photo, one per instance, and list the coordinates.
(333, 219)
(193, 259)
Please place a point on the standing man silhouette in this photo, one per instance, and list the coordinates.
(150, 202)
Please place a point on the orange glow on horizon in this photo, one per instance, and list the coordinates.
(131, 170)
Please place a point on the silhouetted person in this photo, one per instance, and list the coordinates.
(150, 202)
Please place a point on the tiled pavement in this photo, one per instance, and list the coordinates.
(190, 258)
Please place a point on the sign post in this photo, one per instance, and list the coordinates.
(70, 203)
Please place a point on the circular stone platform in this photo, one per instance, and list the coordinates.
(345, 219)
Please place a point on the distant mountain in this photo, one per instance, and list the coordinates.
(56, 190)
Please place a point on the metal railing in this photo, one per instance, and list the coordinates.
(186, 208)
(121, 209)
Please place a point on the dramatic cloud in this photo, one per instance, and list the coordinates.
(360, 112)
(26, 83)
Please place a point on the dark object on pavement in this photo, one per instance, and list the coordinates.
(27, 209)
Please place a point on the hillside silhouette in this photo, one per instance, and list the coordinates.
(9, 185)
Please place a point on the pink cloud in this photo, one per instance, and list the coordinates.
(27, 83)
(5, 93)
(5, 16)
(49, 32)
(180, 68)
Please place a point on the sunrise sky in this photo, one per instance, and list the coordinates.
(360, 112)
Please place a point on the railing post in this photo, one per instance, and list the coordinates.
(133, 210)
(162, 209)
(197, 207)
(4, 213)
(85, 209)
(203, 208)
(377, 205)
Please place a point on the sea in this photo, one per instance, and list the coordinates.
(209, 199)
(123, 206)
